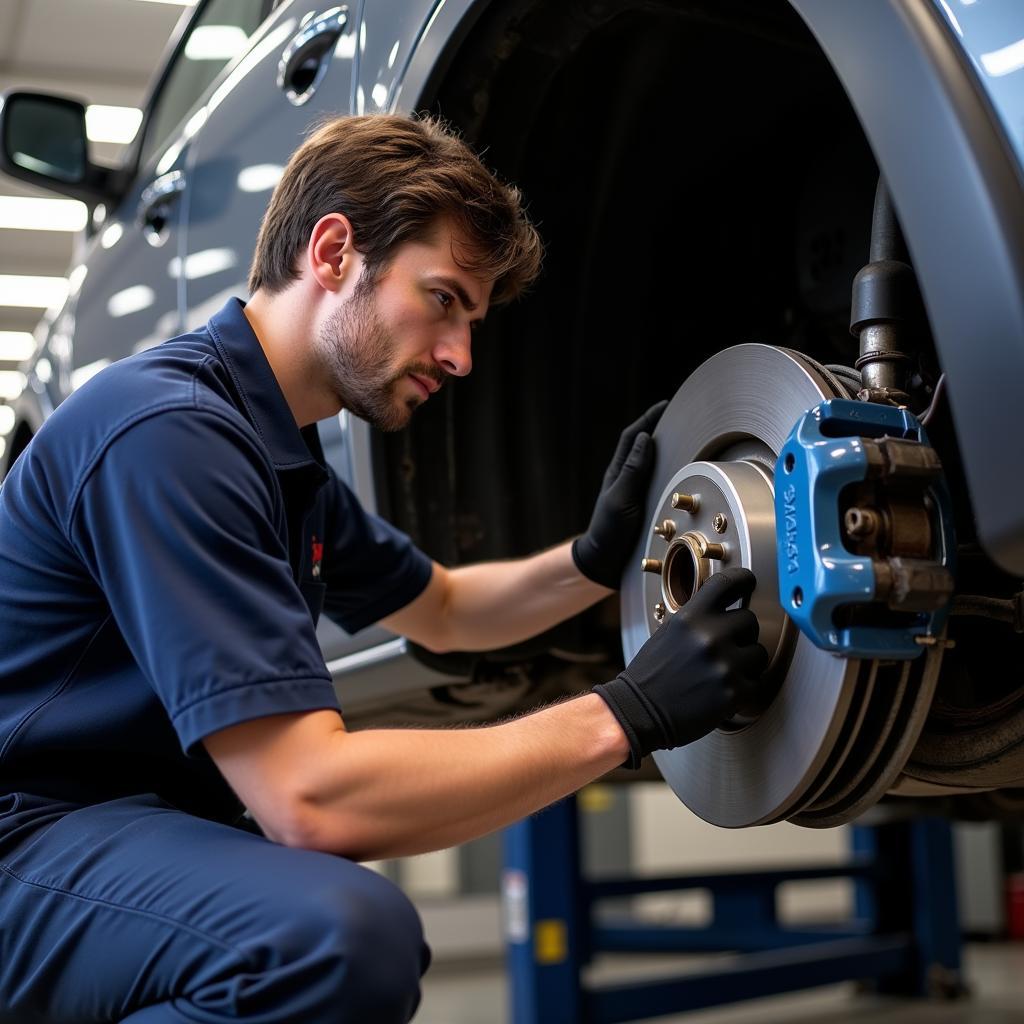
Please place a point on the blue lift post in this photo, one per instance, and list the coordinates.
(905, 937)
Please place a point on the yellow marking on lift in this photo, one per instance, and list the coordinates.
(550, 941)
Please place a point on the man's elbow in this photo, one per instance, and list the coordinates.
(287, 825)
(437, 644)
(303, 826)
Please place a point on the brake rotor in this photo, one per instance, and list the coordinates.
(740, 406)
(903, 696)
(837, 732)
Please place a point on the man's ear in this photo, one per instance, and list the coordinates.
(330, 255)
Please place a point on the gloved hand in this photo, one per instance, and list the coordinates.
(695, 671)
(602, 552)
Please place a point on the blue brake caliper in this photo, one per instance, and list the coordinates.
(865, 534)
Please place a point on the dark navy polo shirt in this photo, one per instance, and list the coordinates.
(167, 542)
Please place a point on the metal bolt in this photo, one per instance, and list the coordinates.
(666, 530)
(715, 551)
(719, 522)
(659, 611)
(687, 502)
(650, 564)
(861, 522)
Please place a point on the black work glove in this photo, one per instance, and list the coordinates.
(696, 670)
(602, 552)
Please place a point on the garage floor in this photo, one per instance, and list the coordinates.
(995, 973)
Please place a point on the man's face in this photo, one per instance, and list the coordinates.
(396, 340)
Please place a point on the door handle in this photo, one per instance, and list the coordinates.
(157, 204)
(307, 57)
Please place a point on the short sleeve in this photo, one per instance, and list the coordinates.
(181, 525)
(370, 567)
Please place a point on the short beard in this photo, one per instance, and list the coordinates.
(356, 350)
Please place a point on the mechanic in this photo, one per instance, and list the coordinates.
(167, 542)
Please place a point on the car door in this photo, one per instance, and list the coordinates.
(130, 285)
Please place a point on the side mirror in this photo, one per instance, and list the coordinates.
(43, 141)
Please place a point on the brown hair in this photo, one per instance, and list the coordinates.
(394, 177)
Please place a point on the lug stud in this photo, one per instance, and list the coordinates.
(650, 564)
(715, 552)
(666, 530)
(719, 523)
(686, 502)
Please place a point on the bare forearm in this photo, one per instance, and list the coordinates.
(387, 793)
(495, 604)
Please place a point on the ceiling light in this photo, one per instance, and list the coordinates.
(6, 420)
(215, 42)
(16, 345)
(30, 214)
(32, 292)
(112, 124)
(12, 383)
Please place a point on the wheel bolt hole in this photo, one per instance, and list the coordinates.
(798, 597)
(789, 462)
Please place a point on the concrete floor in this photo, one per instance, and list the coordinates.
(478, 995)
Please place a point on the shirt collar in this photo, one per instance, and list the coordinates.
(261, 395)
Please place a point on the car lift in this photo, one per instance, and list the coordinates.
(905, 937)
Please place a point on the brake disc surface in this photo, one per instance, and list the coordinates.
(740, 406)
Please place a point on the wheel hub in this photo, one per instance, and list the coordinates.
(714, 514)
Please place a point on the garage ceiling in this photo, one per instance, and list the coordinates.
(99, 51)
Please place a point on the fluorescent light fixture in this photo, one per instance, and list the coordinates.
(12, 383)
(26, 213)
(6, 420)
(16, 345)
(202, 264)
(112, 124)
(43, 370)
(32, 292)
(215, 42)
(1002, 62)
(259, 177)
(87, 372)
(131, 300)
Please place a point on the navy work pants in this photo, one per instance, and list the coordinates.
(133, 911)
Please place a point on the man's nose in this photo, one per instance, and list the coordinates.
(453, 351)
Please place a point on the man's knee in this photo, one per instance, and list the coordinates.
(355, 942)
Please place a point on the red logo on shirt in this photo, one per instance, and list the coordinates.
(318, 557)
